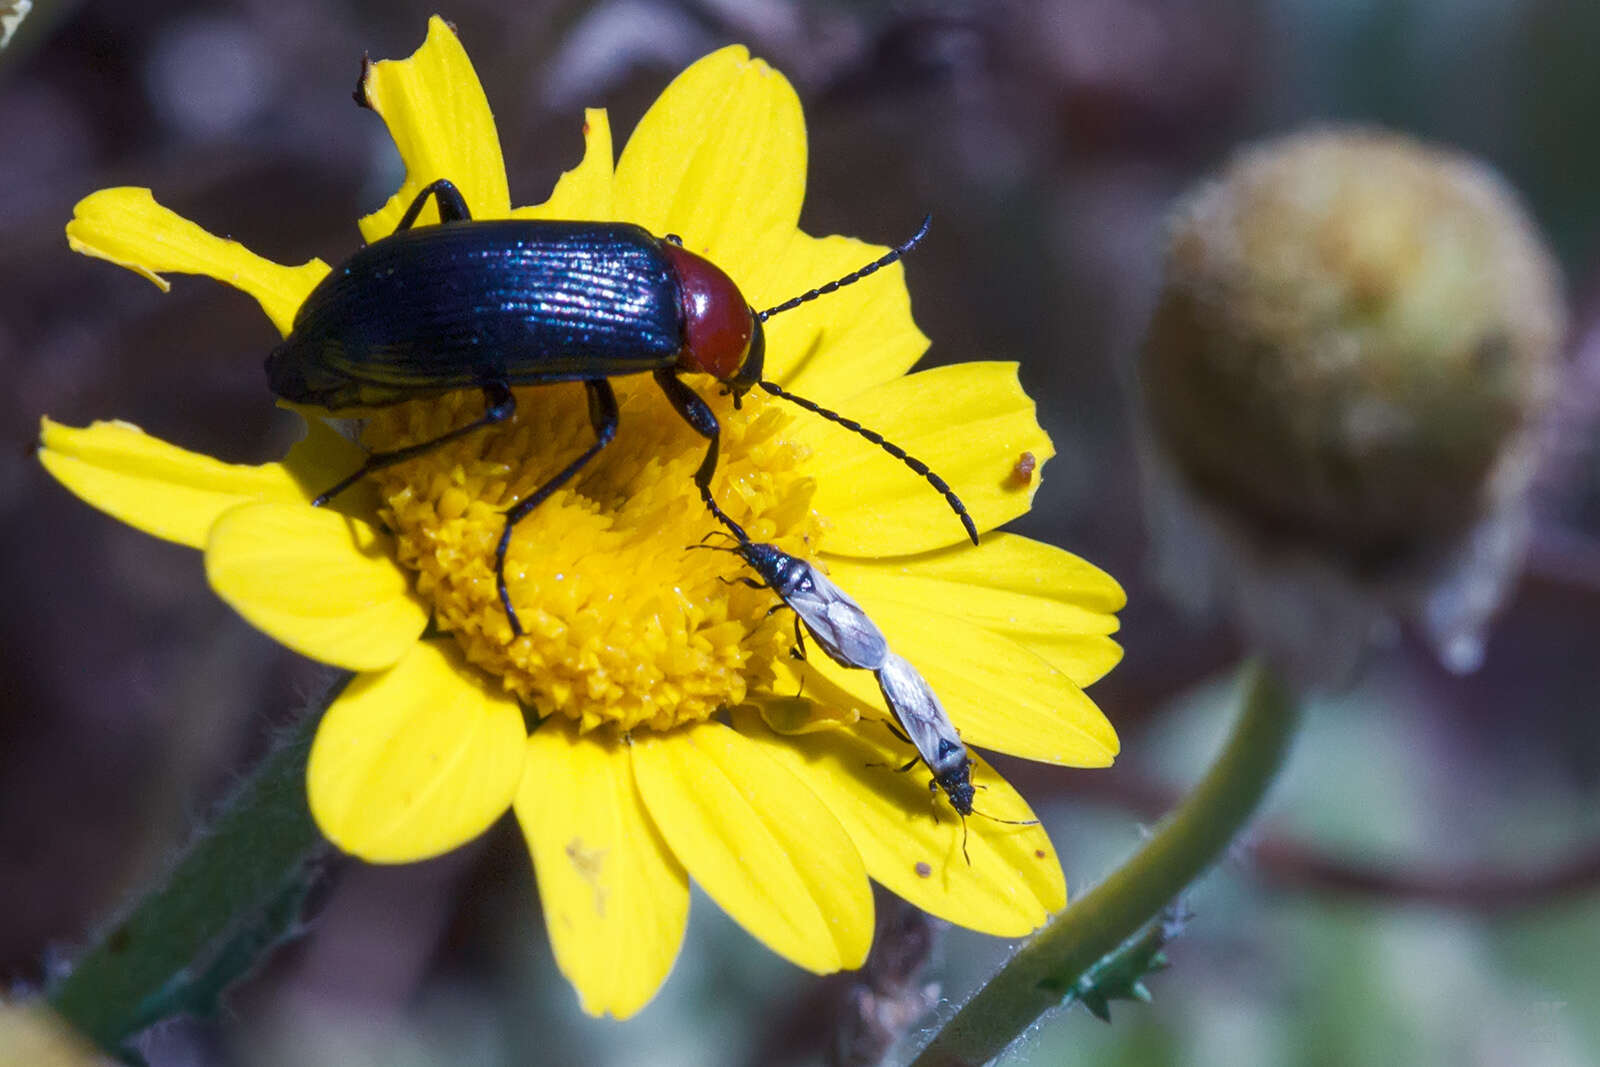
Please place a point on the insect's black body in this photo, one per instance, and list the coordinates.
(464, 304)
(492, 304)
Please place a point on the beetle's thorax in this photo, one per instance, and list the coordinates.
(721, 335)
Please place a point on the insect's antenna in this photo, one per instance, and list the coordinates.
(1008, 822)
(854, 276)
(888, 446)
(711, 548)
(964, 854)
(716, 548)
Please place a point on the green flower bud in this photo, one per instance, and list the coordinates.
(1356, 333)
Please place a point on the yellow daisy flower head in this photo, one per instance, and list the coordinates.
(675, 735)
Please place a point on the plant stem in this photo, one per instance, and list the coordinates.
(1033, 981)
(228, 885)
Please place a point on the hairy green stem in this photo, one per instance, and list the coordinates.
(1033, 981)
(225, 895)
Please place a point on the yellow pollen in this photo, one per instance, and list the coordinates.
(622, 621)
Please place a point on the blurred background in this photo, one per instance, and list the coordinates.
(1422, 887)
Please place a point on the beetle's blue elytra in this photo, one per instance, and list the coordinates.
(499, 303)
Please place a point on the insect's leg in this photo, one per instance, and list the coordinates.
(603, 417)
(699, 415)
(452, 208)
(893, 729)
(499, 405)
(799, 651)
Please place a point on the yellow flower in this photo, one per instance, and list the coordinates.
(676, 737)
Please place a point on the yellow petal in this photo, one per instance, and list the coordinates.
(412, 761)
(999, 695)
(1041, 596)
(439, 118)
(1084, 658)
(790, 710)
(324, 584)
(584, 192)
(127, 227)
(323, 458)
(164, 490)
(615, 899)
(32, 1033)
(842, 344)
(1022, 565)
(759, 842)
(970, 422)
(1014, 880)
(719, 159)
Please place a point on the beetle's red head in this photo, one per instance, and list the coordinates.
(721, 334)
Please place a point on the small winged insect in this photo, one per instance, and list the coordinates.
(835, 622)
(851, 639)
(929, 728)
(938, 745)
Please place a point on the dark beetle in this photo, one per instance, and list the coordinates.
(493, 304)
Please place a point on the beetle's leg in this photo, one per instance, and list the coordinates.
(452, 208)
(603, 417)
(500, 405)
(699, 415)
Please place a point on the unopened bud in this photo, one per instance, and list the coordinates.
(1355, 336)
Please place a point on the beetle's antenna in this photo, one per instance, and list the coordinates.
(888, 446)
(893, 255)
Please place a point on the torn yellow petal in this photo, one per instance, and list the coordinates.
(159, 488)
(759, 842)
(970, 422)
(584, 192)
(440, 120)
(719, 159)
(789, 710)
(615, 899)
(842, 344)
(126, 226)
(1014, 880)
(324, 584)
(998, 694)
(412, 761)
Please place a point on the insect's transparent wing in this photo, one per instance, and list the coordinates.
(845, 632)
(921, 715)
